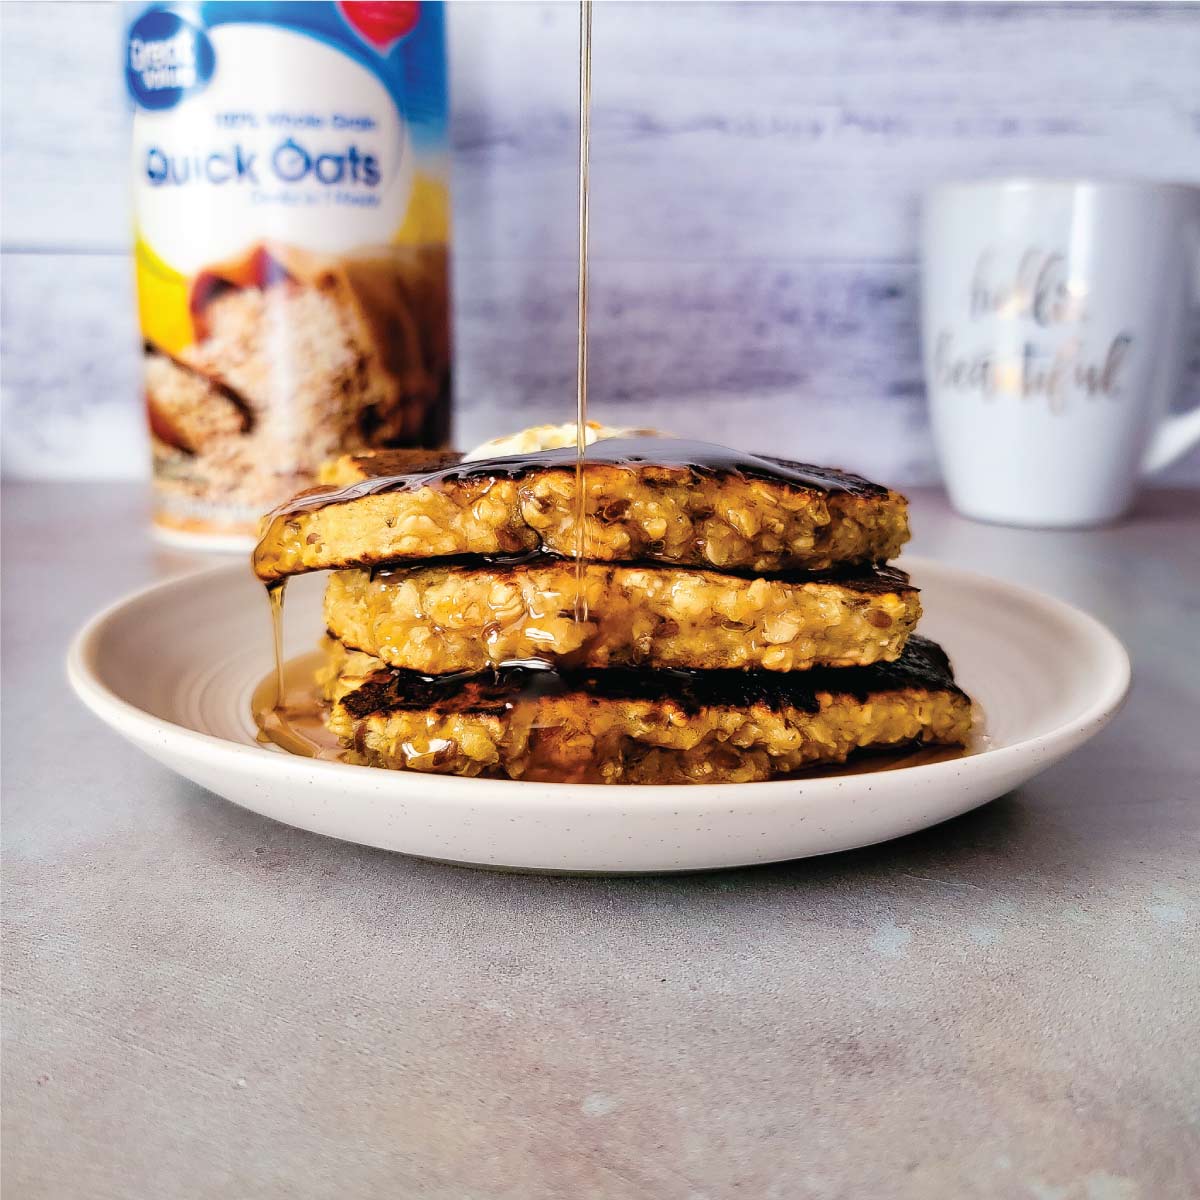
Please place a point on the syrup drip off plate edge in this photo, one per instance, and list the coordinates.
(172, 669)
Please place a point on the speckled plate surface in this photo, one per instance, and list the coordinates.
(172, 669)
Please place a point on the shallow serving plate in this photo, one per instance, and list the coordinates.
(172, 668)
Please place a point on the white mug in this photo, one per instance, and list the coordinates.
(1055, 317)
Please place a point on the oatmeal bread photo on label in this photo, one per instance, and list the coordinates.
(532, 721)
(367, 349)
(659, 499)
(297, 358)
(465, 615)
(188, 409)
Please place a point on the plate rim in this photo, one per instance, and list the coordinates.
(124, 717)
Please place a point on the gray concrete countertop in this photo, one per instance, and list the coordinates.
(201, 1003)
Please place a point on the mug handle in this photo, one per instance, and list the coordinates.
(1178, 432)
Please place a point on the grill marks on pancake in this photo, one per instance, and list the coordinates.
(923, 667)
(869, 579)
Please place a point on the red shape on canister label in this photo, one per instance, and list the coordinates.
(382, 22)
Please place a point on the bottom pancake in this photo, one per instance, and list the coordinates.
(530, 721)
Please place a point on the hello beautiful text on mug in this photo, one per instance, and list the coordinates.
(1050, 365)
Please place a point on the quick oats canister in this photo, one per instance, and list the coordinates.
(292, 231)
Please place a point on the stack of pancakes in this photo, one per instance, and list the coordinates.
(730, 619)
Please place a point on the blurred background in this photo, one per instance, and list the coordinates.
(756, 175)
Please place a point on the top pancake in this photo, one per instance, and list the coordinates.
(647, 499)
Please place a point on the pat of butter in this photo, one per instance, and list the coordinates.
(549, 437)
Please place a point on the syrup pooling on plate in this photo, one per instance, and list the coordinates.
(290, 713)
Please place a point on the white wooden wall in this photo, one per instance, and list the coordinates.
(757, 169)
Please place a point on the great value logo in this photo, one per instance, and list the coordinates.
(167, 58)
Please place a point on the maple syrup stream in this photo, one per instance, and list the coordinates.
(581, 360)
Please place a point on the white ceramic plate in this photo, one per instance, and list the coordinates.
(172, 669)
